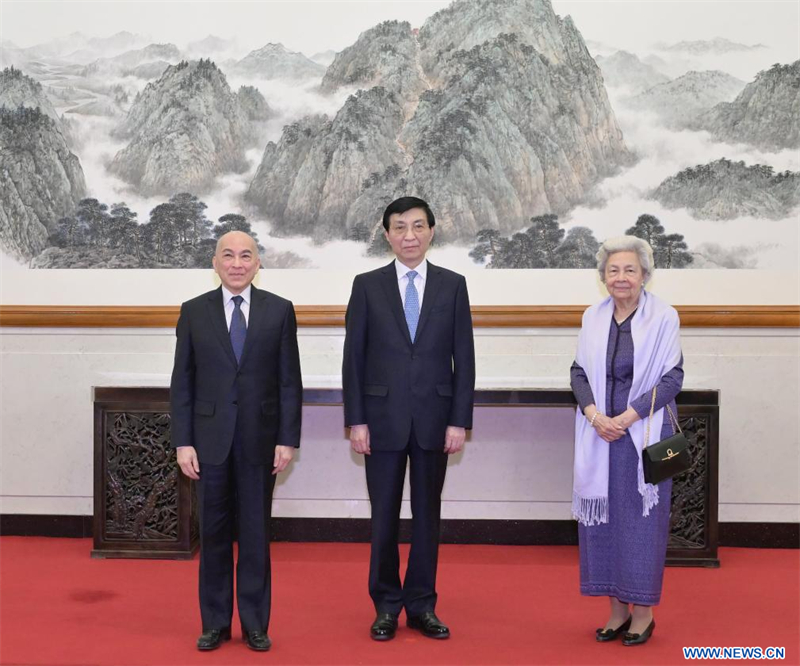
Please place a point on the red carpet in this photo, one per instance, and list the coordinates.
(505, 605)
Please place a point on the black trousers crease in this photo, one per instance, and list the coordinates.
(235, 494)
(385, 477)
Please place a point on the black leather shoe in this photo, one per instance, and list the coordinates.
(639, 639)
(384, 627)
(211, 639)
(257, 640)
(605, 635)
(429, 624)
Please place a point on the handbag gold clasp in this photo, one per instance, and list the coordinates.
(670, 455)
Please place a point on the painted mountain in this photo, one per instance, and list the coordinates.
(148, 70)
(387, 56)
(324, 58)
(724, 190)
(275, 61)
(679, 102)
(765, 114)
(625, 70)
(78, 48)
(40, 178)
(495, 112)
(185, 129)
(210, 46)
(253, 104)
(717, 45)
(130, 60)
(17, 89)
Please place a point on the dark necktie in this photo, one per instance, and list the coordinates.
(238, 328)
(411, 306)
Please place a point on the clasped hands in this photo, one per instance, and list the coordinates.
(608, 428)
(454, 439)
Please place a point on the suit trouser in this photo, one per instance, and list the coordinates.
(235, 491)
(386, 472)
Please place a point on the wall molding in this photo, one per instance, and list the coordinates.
(488, 316)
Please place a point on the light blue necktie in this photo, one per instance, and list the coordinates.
(238, 330)
(411, 307)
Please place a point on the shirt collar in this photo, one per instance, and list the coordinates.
(402, 269)
(227, 295)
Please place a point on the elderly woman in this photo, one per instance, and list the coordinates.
(628, 344)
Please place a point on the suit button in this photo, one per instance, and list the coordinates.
(235, 402)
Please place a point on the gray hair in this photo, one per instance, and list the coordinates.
(626, 244)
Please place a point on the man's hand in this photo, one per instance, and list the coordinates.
(359, 438)
(454, 439)
(283, 456)
(187, 461)
(607, 428)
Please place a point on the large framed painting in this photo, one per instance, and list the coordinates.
(134, 134)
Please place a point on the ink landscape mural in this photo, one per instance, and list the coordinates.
(532, 135)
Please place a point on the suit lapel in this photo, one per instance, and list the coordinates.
(389, 282)
(258, 310)
(432, 283)
(216, 310)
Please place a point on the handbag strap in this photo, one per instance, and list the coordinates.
(673, 421)
(650, 418)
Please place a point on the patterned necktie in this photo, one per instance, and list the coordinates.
(411, 307)
(238, 328)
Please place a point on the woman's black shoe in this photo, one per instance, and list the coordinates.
(638, 639)
(605, 635)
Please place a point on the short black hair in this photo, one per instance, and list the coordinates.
(404, 204)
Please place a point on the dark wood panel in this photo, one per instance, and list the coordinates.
(143, 506)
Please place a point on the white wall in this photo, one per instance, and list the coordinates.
(517, 464)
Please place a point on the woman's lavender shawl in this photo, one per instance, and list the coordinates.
(656, 342)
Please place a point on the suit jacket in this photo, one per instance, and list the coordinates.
(212, 397)
(392, 384)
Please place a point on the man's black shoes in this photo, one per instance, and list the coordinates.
(384, 628)
(257, 640)
(211, 639)
(430, 625)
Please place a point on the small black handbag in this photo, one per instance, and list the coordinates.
(666, 458)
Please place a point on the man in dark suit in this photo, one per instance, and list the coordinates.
(236, 397)
(408, 378)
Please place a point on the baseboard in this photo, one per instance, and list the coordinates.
(357, 530)
(760, 535)
(491, 532)
(23, 524)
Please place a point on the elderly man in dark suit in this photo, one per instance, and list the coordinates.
(236, 397)
(409, 379)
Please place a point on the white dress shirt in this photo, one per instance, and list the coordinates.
(230, 306)
(419, 281)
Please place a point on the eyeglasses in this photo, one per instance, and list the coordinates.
(418, 228)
